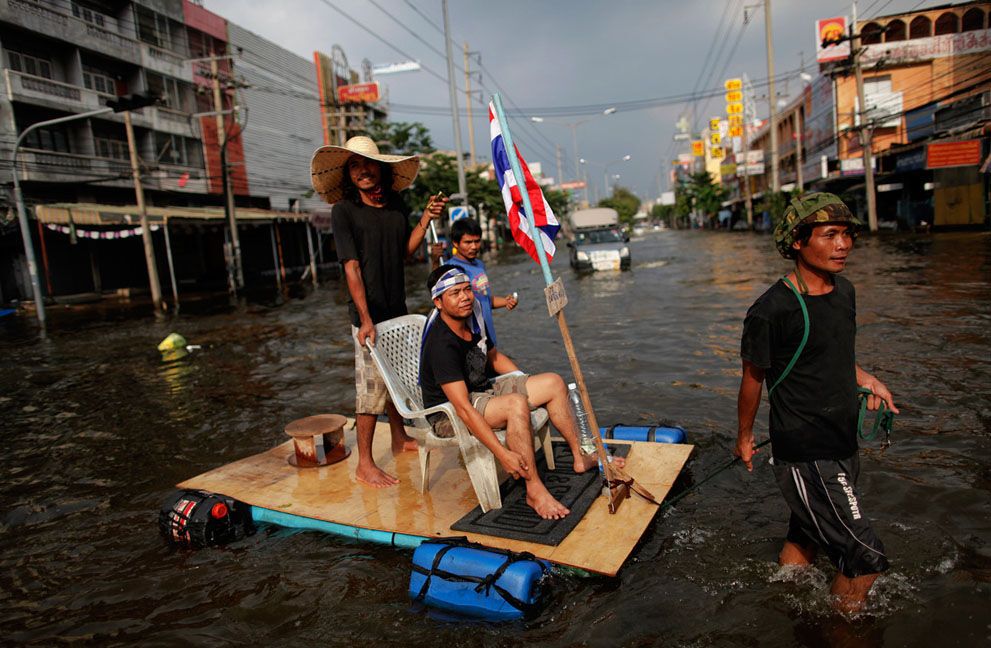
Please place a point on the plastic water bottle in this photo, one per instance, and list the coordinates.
(585, 438)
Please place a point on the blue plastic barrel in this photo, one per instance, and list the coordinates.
(652, 433)
(466, 580)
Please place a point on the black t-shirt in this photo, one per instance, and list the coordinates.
(376, 237)
(447, 358)
(814, 409)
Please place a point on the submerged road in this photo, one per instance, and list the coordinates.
(96, 428)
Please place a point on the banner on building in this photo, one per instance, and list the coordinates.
(573, 184)
(831, 29)
(942, 155)
(926, 49)
(698, 148)
(359, 93)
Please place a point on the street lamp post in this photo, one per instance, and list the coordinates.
(22, 217)
(574, 136)
(605, 172)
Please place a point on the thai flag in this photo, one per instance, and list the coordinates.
(543, 216)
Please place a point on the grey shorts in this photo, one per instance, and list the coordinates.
(826, 510)
(371, 393)
(513, 384)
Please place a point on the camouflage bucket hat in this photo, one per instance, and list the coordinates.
(815, 208)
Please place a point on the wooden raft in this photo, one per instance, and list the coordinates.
(600, 543)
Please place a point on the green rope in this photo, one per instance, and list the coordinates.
(801, 345)
(884, 420)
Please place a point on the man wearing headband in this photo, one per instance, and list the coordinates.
(800, 337)
(373, 238)
(456, 360)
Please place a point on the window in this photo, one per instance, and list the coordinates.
(947, 24)
(894, 31)
(920, 27)
(88, 15)
(112, 148)
(29, 64)
(153, 27)
(167, 88)
(99, 80)
(178, 150)
(48, 139)
(870, 34)
(973, 20)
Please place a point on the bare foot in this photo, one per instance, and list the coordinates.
(372, 475)
(545, 505)
(587, 462)
(406, 445)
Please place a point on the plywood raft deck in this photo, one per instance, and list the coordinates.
(600, 543)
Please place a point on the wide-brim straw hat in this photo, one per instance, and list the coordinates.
(329, 164)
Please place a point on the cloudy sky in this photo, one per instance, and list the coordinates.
(568, 61)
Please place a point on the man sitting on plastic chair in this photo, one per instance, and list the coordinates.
(455, 365)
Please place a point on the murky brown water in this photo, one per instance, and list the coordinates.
(96, 429)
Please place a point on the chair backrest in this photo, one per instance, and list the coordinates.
(397, 355)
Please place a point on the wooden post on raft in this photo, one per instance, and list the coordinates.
(556, 300)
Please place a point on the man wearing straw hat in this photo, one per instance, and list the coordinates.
(373, 238)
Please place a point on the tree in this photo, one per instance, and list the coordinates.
(699, 192)
(663, 213)
(401, 138)
(624, 202)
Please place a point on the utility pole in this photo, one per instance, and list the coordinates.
(865, 127)
(455, 118)
(471, 123)
(746, 172)
(139, 193)
(229, 210)
(557, 151)
(798, 145)
(772, 98)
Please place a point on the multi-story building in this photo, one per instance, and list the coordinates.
(927, 93)
(67, 57)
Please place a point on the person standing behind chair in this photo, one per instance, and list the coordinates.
(373, 238)
(466, 234)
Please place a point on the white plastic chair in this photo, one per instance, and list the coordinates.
(396, 353)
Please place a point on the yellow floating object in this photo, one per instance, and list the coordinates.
(172, 343)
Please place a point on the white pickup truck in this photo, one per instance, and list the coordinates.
(599, 243)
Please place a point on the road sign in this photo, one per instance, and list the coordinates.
(716, 153)
(733, 96)
(457, 213)
(698, 148)
(733, 84)
(735, 108)
(715, 138)
(736, 131)
(735, 120)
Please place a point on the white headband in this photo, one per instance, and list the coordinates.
(448, 280)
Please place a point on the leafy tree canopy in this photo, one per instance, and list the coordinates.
(624, 202)
(400, 138)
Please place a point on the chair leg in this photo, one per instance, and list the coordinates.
(424, 453)
(545, 440)
(484, 476)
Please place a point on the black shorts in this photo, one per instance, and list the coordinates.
(826, 511)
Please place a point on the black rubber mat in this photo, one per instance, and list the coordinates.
(517, 521)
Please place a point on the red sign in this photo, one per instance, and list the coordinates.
(941, 155)
(831, 30)
(358, 93)
(574, 184)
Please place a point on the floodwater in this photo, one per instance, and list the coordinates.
(96, 429)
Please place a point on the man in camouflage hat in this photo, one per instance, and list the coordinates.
(799, 337)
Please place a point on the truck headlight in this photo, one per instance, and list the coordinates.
(625, 252)
(582, 256)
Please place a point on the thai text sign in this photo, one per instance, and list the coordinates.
(574, 184)
(831, 29)
(358, 93)
(940, 155)
(734, 96)
(733, 84)
(735, 108)
(925, 49)
(698, 148)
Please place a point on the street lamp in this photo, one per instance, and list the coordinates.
(605, 171)
(574, 135)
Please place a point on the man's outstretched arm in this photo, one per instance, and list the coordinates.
(747, 402)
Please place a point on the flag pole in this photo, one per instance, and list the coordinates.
(618, 487)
